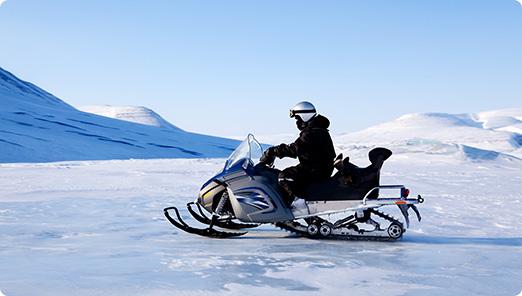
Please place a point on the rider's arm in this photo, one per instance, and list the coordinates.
(288, 150)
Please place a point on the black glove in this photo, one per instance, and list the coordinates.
(268, 157)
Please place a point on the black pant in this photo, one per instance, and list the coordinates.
(293, 180)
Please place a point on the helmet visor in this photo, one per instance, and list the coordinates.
(293, 113)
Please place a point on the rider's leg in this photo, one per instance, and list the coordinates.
(287, 181)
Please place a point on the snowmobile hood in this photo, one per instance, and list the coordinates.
(320, 122)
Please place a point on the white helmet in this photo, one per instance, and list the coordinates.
(304, 110)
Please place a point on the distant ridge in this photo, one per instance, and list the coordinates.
(137, 114)
(479, 136)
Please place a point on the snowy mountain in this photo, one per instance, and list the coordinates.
(137, 114)
(481, 136)
(38, 127)
(19, 95)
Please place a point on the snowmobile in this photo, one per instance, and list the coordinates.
(246, 194)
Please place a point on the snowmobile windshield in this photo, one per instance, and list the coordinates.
(249, 149)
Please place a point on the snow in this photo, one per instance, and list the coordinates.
(137, 114)
(509, 120)
(97, 228)
(35, 126)
(492, 132)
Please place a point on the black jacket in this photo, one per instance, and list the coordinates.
(314, 147)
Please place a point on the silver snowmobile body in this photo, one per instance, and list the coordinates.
(245, 195)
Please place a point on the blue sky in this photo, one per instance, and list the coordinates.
(233, 67)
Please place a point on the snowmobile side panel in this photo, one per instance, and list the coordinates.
(256, 202)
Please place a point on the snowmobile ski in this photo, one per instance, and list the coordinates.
(228, 223)
(208, 232)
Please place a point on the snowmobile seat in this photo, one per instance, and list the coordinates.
(350, 182)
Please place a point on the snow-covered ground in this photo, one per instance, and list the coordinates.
(97, 228)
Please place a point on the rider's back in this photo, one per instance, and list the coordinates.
(315, 148)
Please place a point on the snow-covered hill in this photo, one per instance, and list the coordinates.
(486, 135)
(35, 126)
(38, 127)
(18, 95)
(137, 114)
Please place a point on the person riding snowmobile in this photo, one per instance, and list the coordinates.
(314, 149)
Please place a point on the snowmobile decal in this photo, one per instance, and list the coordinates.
(252, 199)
